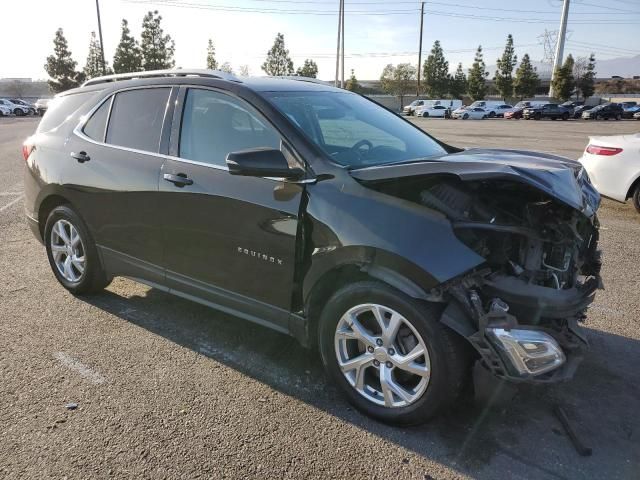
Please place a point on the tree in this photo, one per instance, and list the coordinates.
(128, 57)
(527, 81)
(398, 80)
(436, 73)
(94, 66)
(61, 67)
(212, 63)
(504, 73)
(458, 83)
(309, 69)
(244, 70)
(352, 83)
(563, 82)
(226, 67)
(278, 61)
(157, 48)
(585, 79)
(476, 86)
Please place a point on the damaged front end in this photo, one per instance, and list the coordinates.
(536, 227)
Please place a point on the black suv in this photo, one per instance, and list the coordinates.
(604, 112)
(318, 213)
(548, 110)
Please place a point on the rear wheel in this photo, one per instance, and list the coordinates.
(389, 354)
(72, 253)
(565, 116)
(636, 197)
(18, 112)
(492, 114)
(465, 116)
(425, 114)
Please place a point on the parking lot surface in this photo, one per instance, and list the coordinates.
(169, 389)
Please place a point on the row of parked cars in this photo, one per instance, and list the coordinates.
(20, 108)
(536, 110)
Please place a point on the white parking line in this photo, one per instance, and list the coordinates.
(9, 194)
(80, 368)
(2, 209)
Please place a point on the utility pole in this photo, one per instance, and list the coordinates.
(420, 49)
(342, 54)
(104, 68)
(336, 84)
(557, 59)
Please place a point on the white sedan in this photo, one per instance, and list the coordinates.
(435, 111)
(613, 164)
(470, 113)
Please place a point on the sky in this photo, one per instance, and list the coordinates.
(377, 32)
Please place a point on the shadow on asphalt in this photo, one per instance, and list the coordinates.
(521, 434)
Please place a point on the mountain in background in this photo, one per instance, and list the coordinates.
(626, 67)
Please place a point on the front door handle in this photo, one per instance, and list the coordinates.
(179, 180)
(81, 157)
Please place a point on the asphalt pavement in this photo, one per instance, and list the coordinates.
(165, 388)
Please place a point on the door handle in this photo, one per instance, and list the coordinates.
(179, 180)
(81, 157)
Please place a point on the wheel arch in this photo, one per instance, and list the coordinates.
(632, 187)
(46, 206)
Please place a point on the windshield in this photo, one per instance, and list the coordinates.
(353, 131)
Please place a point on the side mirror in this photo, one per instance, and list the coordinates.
(262, 162)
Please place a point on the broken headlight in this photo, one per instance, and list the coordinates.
(526, 352)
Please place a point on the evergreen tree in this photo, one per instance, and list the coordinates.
(585, 83)
(398, 80)
(436, 73)
(278, 61)
(61, 67)
(212, 63)
(563, 82)
(504, 73)
(244, 70)
(309, 69)
(352, 83)
(157, 48)
(458, 83)
(94, 67)
(527, 81)
(226, 67)
(476, 86)
(128, 57)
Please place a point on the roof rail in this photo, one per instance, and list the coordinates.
(163, 73)
(303, 79)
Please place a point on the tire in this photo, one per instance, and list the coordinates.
(32, 111)
(554, 118)
(18, 112)
(446, 359)
(465, 116)
(618, 117)
(425, 115)
(636, 197)
(565, 117)
(598, 117)
(492, 114)
(92, 277)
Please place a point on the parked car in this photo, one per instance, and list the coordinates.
(456, 113)
(435, 111)
(476, 113)
(613, 165)
(491, 106)
(16, 109)
(603, 112)
(255, 196)
(41, 105)
(30, 106)
(515, 113)
(5, 111)
(502, 110)
(549, 110)
(518, 108)
(636, 115)
(629, 109)
(577, 111)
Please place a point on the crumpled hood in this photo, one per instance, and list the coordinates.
(559, 177)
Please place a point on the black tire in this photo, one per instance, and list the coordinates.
(425, 115)
(565, 117)
(636, 197)
(448, 353)
(618, 117)
(94, 277)
(554, 118)
(18, 112)
(598, 117)
(465, 116)
(32, 111)
(492, 114)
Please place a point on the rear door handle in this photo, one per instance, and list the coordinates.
(179, 180)
(81, 157)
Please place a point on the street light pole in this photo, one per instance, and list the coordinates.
(557, 59)
(342, 54)
(420, 48)
(104, 68)
(336, 84)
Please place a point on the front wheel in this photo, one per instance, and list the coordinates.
(565, 116)
(465, 116)
(492, 114)
(72, 253)
(389, 354)
(18, 112)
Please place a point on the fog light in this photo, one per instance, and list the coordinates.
(528, 352)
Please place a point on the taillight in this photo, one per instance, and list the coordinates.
(27, 148)
(607, 151)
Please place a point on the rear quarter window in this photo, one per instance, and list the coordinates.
(61, 108)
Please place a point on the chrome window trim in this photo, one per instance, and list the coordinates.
(85, 118)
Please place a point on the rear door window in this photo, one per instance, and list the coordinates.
(137, 117)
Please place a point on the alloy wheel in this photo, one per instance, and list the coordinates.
(382, 355)
(68, 251)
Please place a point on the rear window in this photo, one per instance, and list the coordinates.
(136, 118)
(96, 127)
(61, 108)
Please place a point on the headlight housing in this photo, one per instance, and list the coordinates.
(526, 352)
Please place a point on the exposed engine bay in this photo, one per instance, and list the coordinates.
(541, 272)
